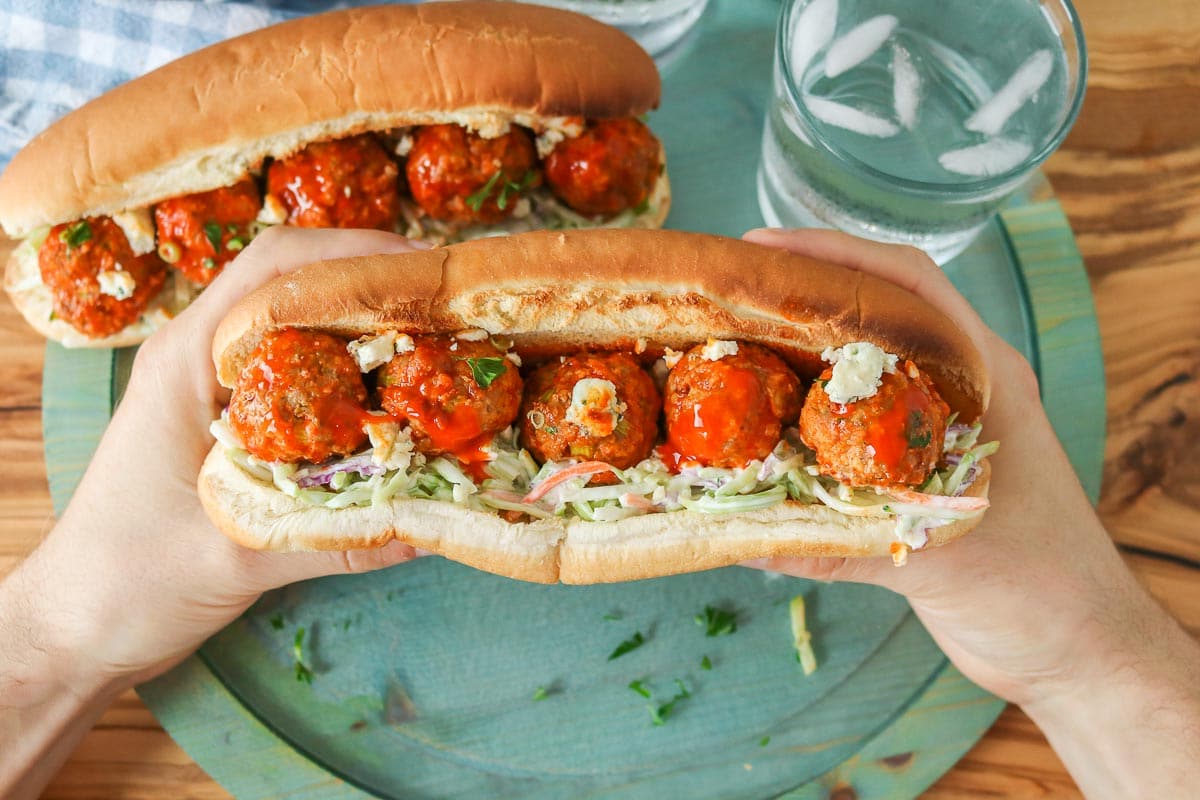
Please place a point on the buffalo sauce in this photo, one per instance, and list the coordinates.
(451, 427)
(716, 419)
(890, 433)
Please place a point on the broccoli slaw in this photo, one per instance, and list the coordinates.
(515, 482)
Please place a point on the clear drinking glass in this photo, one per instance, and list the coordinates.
(912, 120)
(657, 25)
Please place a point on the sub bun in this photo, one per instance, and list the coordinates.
(588, 329)
(441, 119)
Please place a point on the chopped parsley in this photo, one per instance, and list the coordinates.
(614, 615)
(916, 437)
(486, 370)
(277, 621)
(303, 673)
(659, 714)
(706, 663)
(717, 621)
(640, 688)
(507, 189)
(540, 694)
(476, 199)
(630, 644)
(212, 231)
(642, 207)
(763, 742)
(75, 234)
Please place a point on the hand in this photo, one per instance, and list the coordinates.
(1036, 596)
(134, 577)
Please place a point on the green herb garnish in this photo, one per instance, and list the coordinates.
(642, 207)
(640, 688)
(658, 715)
(540, 694)
(476, 199)
(916, 437)
(705, 663)
(632, 643)
(76, 234)
(277, 621)
(208, 263)
(303, 673)
(614, 615)
(717, 621)
(763, 742)
(213, 233)
(510, 188)
(486, 370)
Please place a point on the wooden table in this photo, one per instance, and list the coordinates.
(1129, 179)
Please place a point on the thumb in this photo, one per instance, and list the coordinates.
(877, 571)
(278, 569)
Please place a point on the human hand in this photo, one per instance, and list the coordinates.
(134, 576)
(1036, 596)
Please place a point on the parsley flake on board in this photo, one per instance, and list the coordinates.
(640, 688)
(717, 621)
(705, 663)
(74, 235)
(277, 621)
(303, 673)
(540, 694)
(486, 370)
(632, 643)
(659, 714)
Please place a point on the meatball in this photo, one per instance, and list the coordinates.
(894, 437)
(591, 407)
(300, 397)
(608, 168)
(459, 176)
(455, 394)
(199, 233)
(97, 284)
(728, 412)
(344, 183)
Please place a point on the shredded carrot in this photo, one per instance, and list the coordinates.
(631, 500)
(939, 501)
(587, 468)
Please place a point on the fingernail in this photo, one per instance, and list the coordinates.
(756, 563)
(418, 244)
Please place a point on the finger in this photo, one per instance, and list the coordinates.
(907, 267)
(854, 570)
(279, 569)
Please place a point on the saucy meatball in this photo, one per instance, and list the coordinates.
(458, 176)
(97, 284)
(729, 411)
(591, 407)
(455, 394)
(344, 183)
(300, 397)
(200, 233)
(608, 168)
(894, 437)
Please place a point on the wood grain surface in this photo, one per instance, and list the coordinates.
(1129, 180)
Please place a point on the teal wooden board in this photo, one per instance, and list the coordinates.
(425, 673)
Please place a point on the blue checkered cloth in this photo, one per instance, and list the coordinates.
(55, 55)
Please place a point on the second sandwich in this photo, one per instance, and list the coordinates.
(441, 121)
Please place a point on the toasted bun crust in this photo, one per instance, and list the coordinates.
(258, 516)
(553, 291)
(206, 119)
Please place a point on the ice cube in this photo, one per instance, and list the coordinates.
(906, 87)
(993, 157)
(850, 118)
(990, 117)
(811, 31)
(859, 44)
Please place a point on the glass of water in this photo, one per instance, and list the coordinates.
(657, 25)
(912, 120)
